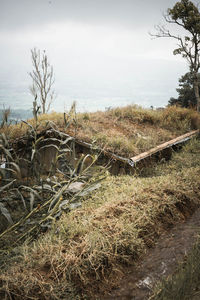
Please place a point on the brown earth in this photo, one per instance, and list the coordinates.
(158, 262)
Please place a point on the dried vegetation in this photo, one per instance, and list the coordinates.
(81, 256)
(66, 244)
(125, 131)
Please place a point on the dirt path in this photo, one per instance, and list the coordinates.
(158, 262)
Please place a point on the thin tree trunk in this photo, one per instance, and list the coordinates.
(196, 91)
(43, 107)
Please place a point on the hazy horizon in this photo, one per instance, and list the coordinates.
(101, 52)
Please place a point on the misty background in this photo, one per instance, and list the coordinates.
(101, 52)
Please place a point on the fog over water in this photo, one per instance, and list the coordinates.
(101, 52)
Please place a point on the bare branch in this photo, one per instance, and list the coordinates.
(185, 15)
(43, 79)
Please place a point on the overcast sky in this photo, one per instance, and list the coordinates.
(101, 52)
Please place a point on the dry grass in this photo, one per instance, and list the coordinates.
(188, 158)
(89, 246)
(126, 131)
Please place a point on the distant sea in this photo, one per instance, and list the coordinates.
(90, 95)
(19, 100)
(123, 84)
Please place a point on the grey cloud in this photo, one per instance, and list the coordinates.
(15, 14)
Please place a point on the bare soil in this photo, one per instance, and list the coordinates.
(158, 262)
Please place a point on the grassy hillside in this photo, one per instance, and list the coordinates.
(125, 131)
(66, 244)
(85, 250)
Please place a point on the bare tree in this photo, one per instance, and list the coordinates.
(186, 16)
(43, 79)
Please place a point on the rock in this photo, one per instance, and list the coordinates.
(76, 187)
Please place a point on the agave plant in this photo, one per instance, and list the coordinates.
(45, 196)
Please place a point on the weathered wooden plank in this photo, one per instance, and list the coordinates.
(162, 147)
(118, 164)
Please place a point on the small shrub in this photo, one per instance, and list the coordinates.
(176, 118)
(86, 117)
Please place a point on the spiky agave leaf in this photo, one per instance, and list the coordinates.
(33, 154)
(50, 139)
(63, 204)
(45, 186)
(5, 171)
(4, 139)
(89, 189)
(6, 152)
(6, 213)
(32, 199)
(3, 188)
(16, 167)
(24, 187)
(75, 205)
(56, 198)
(22, 198)
(48, 146)
(39, 140)
(30, 126)
(82, 163)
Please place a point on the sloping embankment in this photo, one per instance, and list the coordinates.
(91, 247)
(118, 165)
(121, 165)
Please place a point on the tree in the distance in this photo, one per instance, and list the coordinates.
(186, 97)
(42, 79)
(186, 16)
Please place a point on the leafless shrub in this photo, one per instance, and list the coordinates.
(43, 79)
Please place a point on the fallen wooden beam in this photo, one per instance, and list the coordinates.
(158, 149)
(118, 164)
